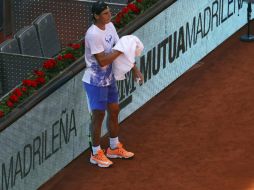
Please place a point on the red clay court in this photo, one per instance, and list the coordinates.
(197, 134)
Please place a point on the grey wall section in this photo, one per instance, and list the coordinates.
(1, 14)
(7, 17)
(45, 139)
(54, 132)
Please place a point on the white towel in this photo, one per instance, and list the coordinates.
(131, 47)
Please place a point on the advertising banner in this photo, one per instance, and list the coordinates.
(52, 134)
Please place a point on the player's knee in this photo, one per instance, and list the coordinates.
(98, 114)
(114, 111)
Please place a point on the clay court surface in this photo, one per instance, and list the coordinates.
(197, 134)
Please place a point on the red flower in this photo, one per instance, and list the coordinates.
(139, 1)
(59, 57)
(39, 73)
(75, 46)
(1, 113)
(26, 82)
(40, 80)
(17, 92)
(24, 89)
(29, 83)
(10, 104)
(125, 10)
(49, 64)
(119, 17)
(69, 56)
(14, 98)
(133, 7)
(33, 83)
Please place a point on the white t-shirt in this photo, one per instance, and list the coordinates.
(97, 41)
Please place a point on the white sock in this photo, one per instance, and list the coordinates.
(113, 142)
(96, 149)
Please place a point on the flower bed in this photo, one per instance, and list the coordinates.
(54, 66)
(131, 11)
(40, 77)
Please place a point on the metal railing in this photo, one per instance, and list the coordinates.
(16, 67)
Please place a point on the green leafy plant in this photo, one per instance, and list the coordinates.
(131, 11)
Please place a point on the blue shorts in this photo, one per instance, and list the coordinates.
(99, 97)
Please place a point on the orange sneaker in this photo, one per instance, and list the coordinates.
(119, 152)
(100, 159)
